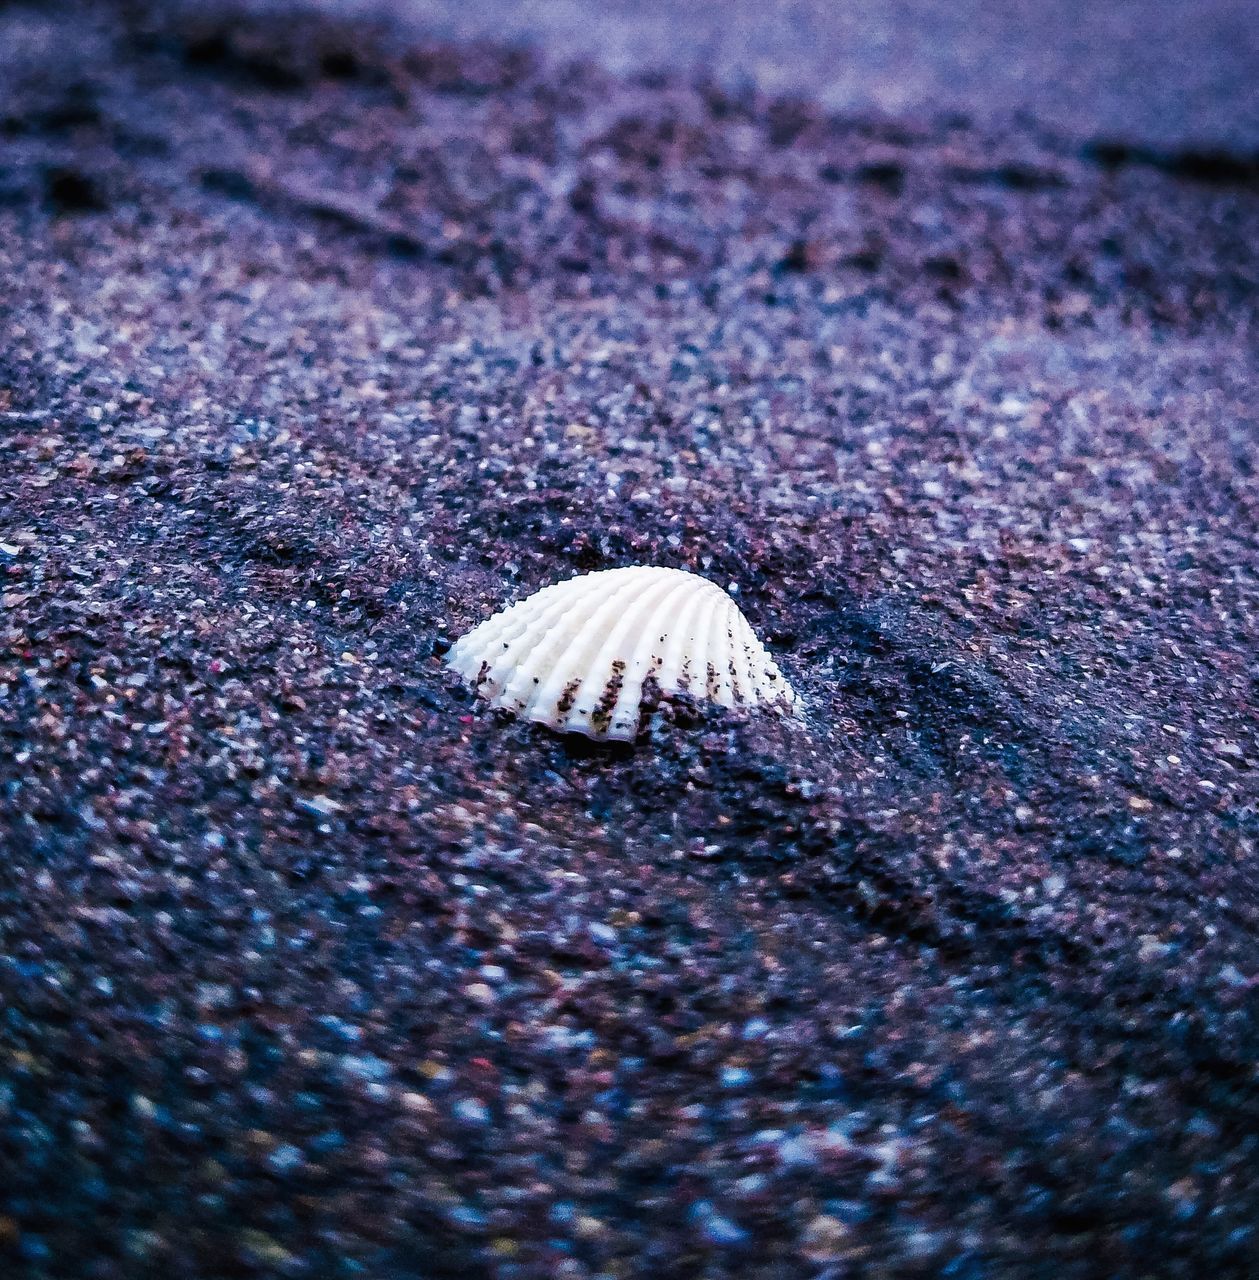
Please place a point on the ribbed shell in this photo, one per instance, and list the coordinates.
(574, 655)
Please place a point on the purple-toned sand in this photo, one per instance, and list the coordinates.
(320, 340)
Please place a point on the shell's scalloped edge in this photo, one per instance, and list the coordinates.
(781, 708)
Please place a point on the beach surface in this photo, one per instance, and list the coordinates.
(324, 337)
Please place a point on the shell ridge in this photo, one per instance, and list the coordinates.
(756, 656)
(573, 640)
(518, 654)
(701, 674)
(758, 659)
(640, 655)
(560, 690)
(601, 677)
(480, 644)
(745, 682)
(716, 681)
(672, 672)
(650, 658)
(492, 637)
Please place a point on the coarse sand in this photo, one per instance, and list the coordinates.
(319, 342)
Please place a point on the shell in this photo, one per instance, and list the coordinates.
(574, 656)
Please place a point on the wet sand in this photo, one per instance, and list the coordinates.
(318, 343)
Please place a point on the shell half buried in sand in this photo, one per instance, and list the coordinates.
(574, 656)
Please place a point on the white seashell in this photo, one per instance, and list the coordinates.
(574, 656)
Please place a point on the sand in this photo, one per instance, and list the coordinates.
(319, 342)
